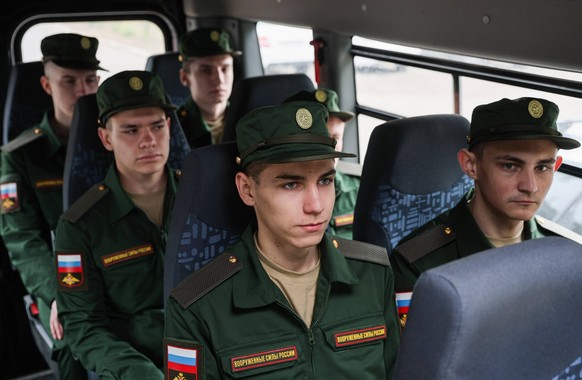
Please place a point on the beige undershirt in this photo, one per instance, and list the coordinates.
(216, 128)
(298, 288)
(152, 204)
(502, 242)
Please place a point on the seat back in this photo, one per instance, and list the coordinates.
(208, 214)
(26, 101)
(507, 313)
(87, 161)
(410, 175)
(167, 67)
(254, 92)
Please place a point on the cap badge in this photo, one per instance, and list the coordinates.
(135, 83)
(85, 43)
(535, 108)
(321, 96)
(303, 118)
(214, 36)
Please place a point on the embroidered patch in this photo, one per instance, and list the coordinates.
(128, 254)
(183, 360)
(47, 184)
(403, 304)
(70, 270)
(263, 359)
(344, 220)
(350, 338)
(9, 196)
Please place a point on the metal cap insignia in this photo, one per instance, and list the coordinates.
(303, 118)
(135, 83)
(535, 108)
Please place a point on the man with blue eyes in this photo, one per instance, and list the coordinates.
(110, 244)
(207, 70)
(288, 301)
(32, 180)
(512, 156)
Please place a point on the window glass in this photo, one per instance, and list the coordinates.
(123, 45)
(366, 125)
(286, 49)
(563, 204)
(402, 90)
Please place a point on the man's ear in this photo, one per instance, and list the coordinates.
(45, 84)
(184, 78)
(245, 187)
(558, 163)
(104, 137)
(468, 162)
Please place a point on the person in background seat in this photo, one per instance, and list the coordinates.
(110, 243)
(207, 70)
(32, 179)
(346, 186)
(288, 301)
(512, 156)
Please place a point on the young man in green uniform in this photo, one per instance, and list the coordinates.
(512, 157)
(207, 70)
(288, 301)
(346, 186)
(32, 179)
(109, 246)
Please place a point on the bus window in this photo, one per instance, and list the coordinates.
(286, 49)
(123, 45)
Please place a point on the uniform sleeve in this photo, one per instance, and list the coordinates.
(392, 342)
(25, 232)
(81, 301)
(184, 331)
(405, 275)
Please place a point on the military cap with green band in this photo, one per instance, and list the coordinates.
(518, 119)
(205, 42)
(291, 132)
(326, 97)
(130, 90)
(71, 50)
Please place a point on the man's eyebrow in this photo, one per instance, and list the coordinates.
(294, 177)
(508, 157)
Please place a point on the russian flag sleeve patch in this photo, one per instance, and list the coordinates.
(183, 360)
(403, 304)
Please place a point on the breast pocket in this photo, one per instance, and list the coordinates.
(271, 358)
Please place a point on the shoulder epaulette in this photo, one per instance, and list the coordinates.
(22, 139)
(425, 243)
(85, 202)
(557, 229)
(359, 250)
(204, 280)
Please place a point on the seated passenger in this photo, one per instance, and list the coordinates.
(207, 70)
(512, 157)
(110, 243)
(346, 186)
(32, 180)
(288, 301)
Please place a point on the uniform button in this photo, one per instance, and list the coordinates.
(232, 259)
(335, 243)
(178, 173)
(102, 187)
(448, 230)
(37, 131)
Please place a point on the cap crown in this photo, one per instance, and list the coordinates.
(204, 42)
(327, 97)
(130, 90)
(71, 51)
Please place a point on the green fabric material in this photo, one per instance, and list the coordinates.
(115, 320)
(327, 97)
(469, 240)
(346, 193)
(205, 42)
(195, 128)
(71, 50)
(248, 314)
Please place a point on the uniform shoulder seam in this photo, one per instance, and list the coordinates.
(85, 202)
(362, 251)
(199, 283)
(21, 140)
(425, 243)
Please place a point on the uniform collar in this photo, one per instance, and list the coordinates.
(252, 287)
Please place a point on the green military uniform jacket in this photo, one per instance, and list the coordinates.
(346, 193)
(32, 201)
(242, 326)
(109, 260)
(195, 128)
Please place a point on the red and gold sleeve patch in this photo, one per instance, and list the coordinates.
(344, 220)
(263, 359)
(71, 271)
(353, 337)
(9, 197)
(128, 254)
(183, 360)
